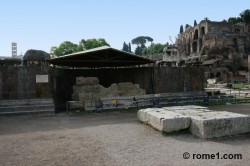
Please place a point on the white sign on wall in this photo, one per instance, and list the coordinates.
(42, 78)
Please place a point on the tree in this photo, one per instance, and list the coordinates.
(68, 47)
(187, 26)
(138, 50)
(181, 29)
(141, 40)
(92, 43)
(129, 47)
(154, 49)
(64, 48)
(195, 23)
(125, 47)
(245, 16)
(234, 20)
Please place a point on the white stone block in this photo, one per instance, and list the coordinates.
(218, 124)
(164, 120)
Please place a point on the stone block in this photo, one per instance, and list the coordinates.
(85, 96)
(113, 87)
(126, 86)
(114, 93)
(218, 124)
(75, 105)
(137, 86)
(89, 105)
(188, 110)
(87, 81)
(164, 120)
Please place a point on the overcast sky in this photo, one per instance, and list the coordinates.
(41, 24)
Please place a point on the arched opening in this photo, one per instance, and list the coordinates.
(196, 34)
(195, 46)
(211, 75)
(202, 31)
(218, 75)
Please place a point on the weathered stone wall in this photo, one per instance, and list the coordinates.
(170, 79)
(19, 82)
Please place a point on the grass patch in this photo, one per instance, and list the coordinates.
(239, 86)
(180, 132)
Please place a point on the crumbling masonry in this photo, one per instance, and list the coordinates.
(221, 47)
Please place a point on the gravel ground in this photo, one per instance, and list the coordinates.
(114, 138)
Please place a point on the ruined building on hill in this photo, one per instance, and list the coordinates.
(221, 47)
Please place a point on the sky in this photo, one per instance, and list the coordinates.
(41, 24)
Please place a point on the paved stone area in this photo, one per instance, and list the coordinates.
(109, 139)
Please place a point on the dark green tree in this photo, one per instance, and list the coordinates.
(234, 20)
(125, 47)
(154, 49)
(245, 16)
(181, 29)
(140, 41)
(138, 50)
(195, 23)
(68, 47)
(129, 47)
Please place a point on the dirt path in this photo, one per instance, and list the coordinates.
(107, 139)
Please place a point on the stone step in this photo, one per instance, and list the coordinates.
(40, 107)
(47, 112)
(17, 108)
(6, 103)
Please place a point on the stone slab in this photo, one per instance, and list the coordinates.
(163, 120)
(203, 122)
(219, 124)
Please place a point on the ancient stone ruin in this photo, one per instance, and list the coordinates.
(222, 48)
(88, 92)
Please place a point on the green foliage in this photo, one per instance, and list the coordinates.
(138, 50)
(154, 49)
(129, 47)
(141, 40)
(239, 86)
(234, 20)
(125, 47)
(64, 48)
(92, 43)
(245, 16)
(68, 47)
(181, 29)
(195, 23)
